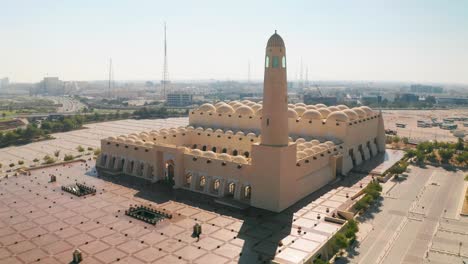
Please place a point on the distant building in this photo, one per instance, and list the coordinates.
(407, 98)
(179, 99)
(4, 82)
(419, 88)
(50, 86)
(327, 100)
(452, 101)
(367, 100)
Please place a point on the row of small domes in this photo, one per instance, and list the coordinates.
(221, 156)
(319, 111)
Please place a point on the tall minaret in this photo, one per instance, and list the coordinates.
(275, 95)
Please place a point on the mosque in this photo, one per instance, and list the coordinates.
(266, 154)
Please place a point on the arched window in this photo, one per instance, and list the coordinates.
(235, 152)
(246, 154)
(188, 178)
(247, 192)
(204, 148)
(232, 188)
(267, 62)
(224, 150)
(283, 62)
(275, 62)
(216, 185)
(202, 181)
(213, 149)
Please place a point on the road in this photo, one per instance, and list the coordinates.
(409, 221)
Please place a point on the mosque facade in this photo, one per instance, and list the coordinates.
(267, 154)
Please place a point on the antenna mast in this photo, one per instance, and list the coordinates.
(110, 79)
(165, 70)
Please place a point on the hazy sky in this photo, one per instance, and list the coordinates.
(407, 40)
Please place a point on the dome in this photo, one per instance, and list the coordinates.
(250, 104)
(239, 159)
(338, 116)
(240, 134)
(361, 113)
(224, 156)
(342, 107)
(229, 133)
(237, 105)
(209, 154)
(149, 144)
(351, 114)
(291, 106)
(225, 109)
(122, 139)
(190, 128)
(312, 114)
(111, 138)
(329, 144)
(259, 112)
(210, 130)
(199, 129)
(301, 154)
(163, 133)
(368, 111)
(300, 147)
(310, 107)
(308, 145)
(275, 41)
(172, 130)
(218, 104)
(292, 113)
(300, 104)
(300, 110)
(290, 139)
(255, 107)
(233, 103)
(207, 108)
(324, 111)
(320, 106)
(316, 148)
(139, 142)
(220, 131)
(131, 141)
(323, 146)
(300, 140)
(333, 108)
(310, 151)
(182, 129)
(246, 101)
(244, 110)
(315, 142)
(251, 134)
(196, 152)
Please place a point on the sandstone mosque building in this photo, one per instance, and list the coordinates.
(266, 154)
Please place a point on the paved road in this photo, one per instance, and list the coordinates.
(403, 230)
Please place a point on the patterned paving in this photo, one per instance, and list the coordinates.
(39, 223)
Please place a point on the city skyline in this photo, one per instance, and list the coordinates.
(421, 41)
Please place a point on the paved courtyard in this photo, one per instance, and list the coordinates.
(40, 223)
(90, 136)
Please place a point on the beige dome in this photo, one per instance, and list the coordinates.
(333, 108)
(361, 113)
(111, 138)
(290, 139)
(255, 107)
(368, 110)
(320, 106)
(233, 103)
(316, 148)
(210, 130)
(310, 151)
(300, 140)
(301, 154)
(292, 113)
(314, 142)
(218, 104)
(149, 144)
(190, 128)
(225, 109)
(338, 116)
(229, 133)
(219, 131)
(251, 135)
(300, 110)
(244, 110)
(308, 144)
(330, 144)
(239, 159)
(342, 107)
(311, 107)
(300, 147)
(311, 114)
(301, 105)
(199, 129)
(240, 134)
(351, 114)
(324, 111)
(259, 112)
(210, 154)
(207, 108)
(224, 156)
(131, 141)
(196, 152)
(139, 142)
(291, 106)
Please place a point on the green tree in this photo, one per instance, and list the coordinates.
(446, 154)
(80, 148)
(396, 139)
(68, 157)
(57, 153)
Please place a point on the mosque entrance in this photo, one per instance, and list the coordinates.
(169, 171)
